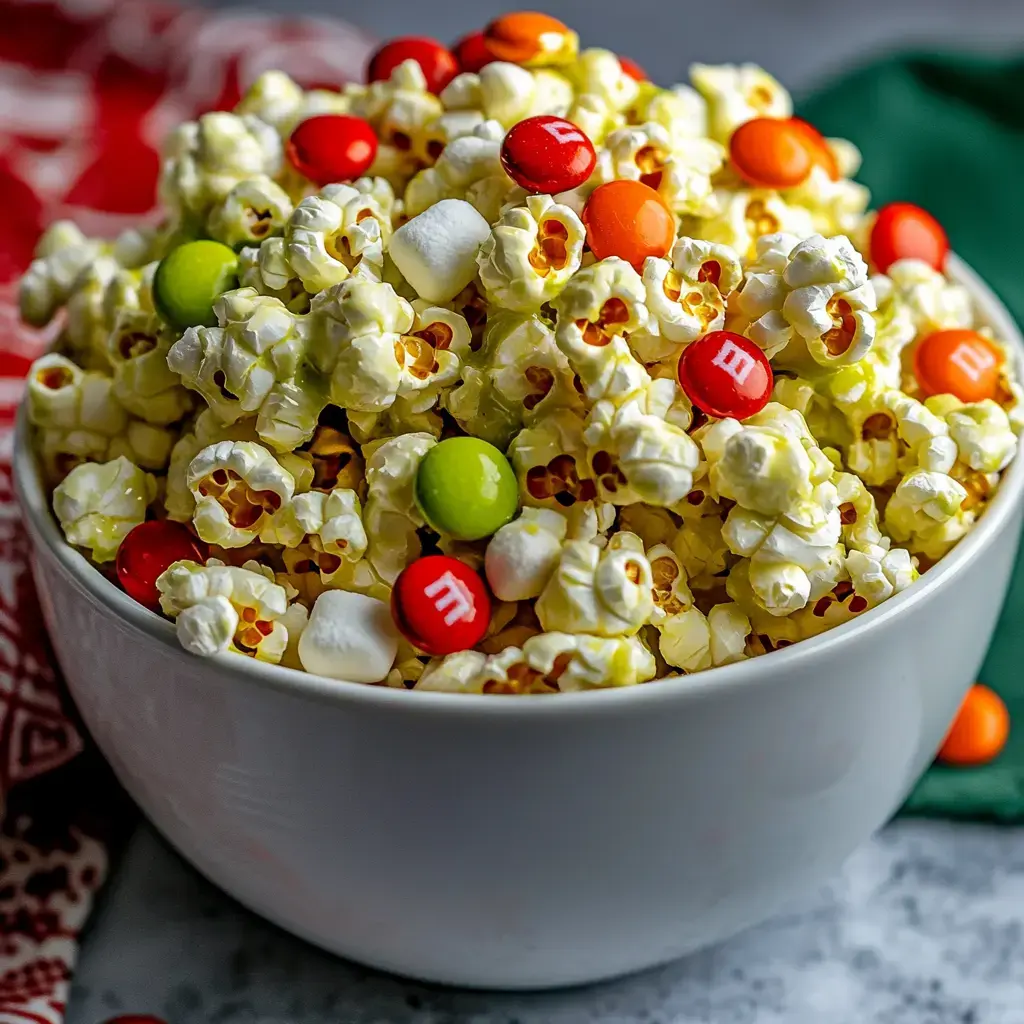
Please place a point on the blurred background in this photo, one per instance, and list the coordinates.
(802, 42)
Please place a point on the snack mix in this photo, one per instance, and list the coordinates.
(512, 372)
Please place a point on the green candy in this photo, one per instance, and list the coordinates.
(190, 279)
(466, 488)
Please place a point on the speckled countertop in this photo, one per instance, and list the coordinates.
(924, 926)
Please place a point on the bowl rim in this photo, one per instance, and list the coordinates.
(614, 700)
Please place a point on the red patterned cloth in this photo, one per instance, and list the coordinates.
(88, 88)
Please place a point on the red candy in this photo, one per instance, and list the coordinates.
(440, 605)
(904, 231)
(547, 154)
(438, 62)
(148, 550)
(631, 68)
(332, 148)
(726, 375)
(471, 52)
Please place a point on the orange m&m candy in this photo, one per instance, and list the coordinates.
(979, 731)
(531, 39)
(631, 68)
(770, 152)
(821, 153)
(628, 219)
(958, 362)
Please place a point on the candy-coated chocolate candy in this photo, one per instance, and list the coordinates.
(438, 63)
(529, 38)
(471, 52)
(466, 488)
(726, 375)
(631, 68)
(958, 362)
(979, 731)
(440, 605)
(770, 152)
(332, 148)
(628, 219)
(149, 550)
(190, 279)
(547, 154)
(904, 231)
(821, 152)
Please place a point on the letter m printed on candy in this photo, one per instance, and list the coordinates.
(974, 360)
(734, 361)
(451, 597)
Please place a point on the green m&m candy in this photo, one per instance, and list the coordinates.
(466, 488)
(190, 279)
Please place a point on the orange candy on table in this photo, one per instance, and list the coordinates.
(904, 231)
(628, 219)
(979, 731)
(958, 362)
(528, 37)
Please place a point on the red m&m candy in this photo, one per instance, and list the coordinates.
(471, 52)
(332, 148)
(437, 62)
(726, 375)
(440, 605)
(150, 549)
(904, 231)
(547, 154)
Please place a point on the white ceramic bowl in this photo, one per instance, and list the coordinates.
(527, 842)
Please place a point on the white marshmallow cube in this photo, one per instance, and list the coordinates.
(436, 250)
(349, 636)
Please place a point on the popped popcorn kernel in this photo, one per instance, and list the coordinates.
(97, 504)
(531, 254)
(237, 486)
(736, 94)
(253, 210)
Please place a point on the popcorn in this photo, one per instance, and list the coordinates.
(687, 294)
(391, 516)
(97, 504)
(603, 592)
(738, 93)
(599, 305)
(219, 608)
(549, 663)
(253, 210)
(635, 455)
(330, 523)
(531, 254)
(62, 254)
(681, 176)
(983, 435)
(237, 487)
(143, 382)
(340, 231)
(436, 250)
(523, 554)
(205, 159)
(739, 218)
(550, 459)
(437, 297)
(821, 298)
(349, 636)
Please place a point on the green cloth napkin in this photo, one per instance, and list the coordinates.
(947, 133)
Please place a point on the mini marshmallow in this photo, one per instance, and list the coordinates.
(436, 250)
(523, 554)
(349, 636)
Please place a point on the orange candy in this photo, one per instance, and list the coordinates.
(526, 37)
(979, 731)
(630, 220)
(631, 68)
(771, 152)
(959, 362)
